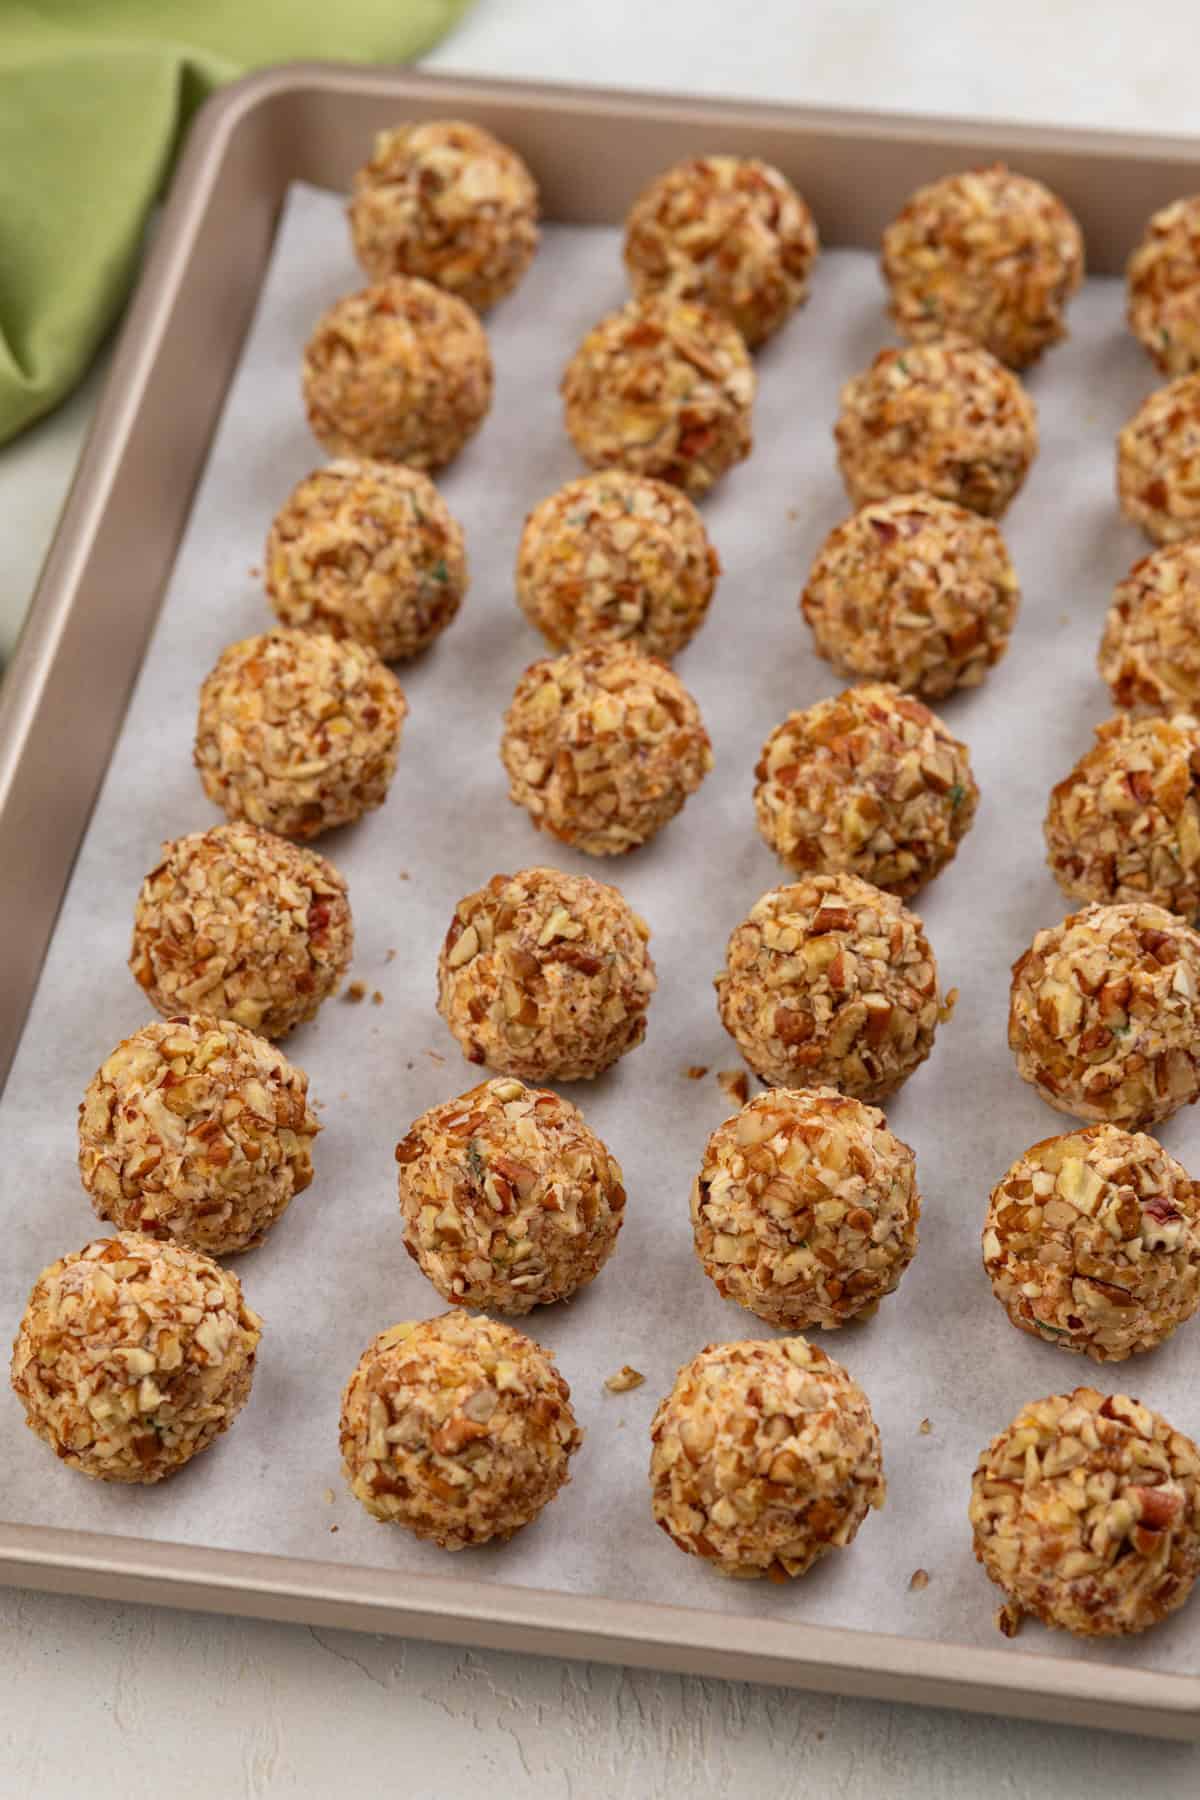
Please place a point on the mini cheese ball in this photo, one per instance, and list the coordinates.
(616, 558)
(1086, 1513)
(459, 1429)
(1125, 823)
(132, 1356)
(913, 590)
(1163, 279)
(509, 1201)
(944, 419)
(449, 202)
(298, 732)
(1158, 463)
(830, 983)
(1092, 1242)
(805, 1208)
(546, 976)
(369, 551)
(400, 372)
(765, 1458)
(602, 747)
(1150, 651)
(728, 231)
(241, 924)
(869, 783)
(1104, 1014)
(989, 254)
(662, 388)
(197, 1130)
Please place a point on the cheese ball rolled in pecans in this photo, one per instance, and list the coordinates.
(298, 732)
(400, 372)
(616, 558)
(1163, 278)
(1092, 1242)
(728, 231)
(459, 1429)
(369, 551)
(449, 202)
(546, 976)
(944, 419)
(870, 783)
(830, 983)
(132, 1356)
(663, 388)
(509, 1201)
(1158, 463)
(1150, 652)
(805, 1208)
(1104, 1015)
(989, 254)
(913, 590)
(765, 1458)
(241, 924)
(1125, 823)
(197, 1130)
(602, 747)
(1086, 1512)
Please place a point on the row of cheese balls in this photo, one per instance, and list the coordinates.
(988, 253)
(980, 266)
(827, 981)
(602, 747)
(719, 250)
(543, 975)
(200, 1129)
(873, 783)
(805, 1210)
(299, 731)
(912, 589)
(134, 1355)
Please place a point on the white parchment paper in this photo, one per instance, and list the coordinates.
(335, 1271)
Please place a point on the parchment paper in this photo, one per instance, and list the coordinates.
(335, 1270)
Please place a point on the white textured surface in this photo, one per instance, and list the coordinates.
(123, 1700)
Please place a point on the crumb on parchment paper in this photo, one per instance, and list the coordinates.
(925, 1427)
(695, 1071)
(917, 1580)
(356, 992)
(734, 1084)
(625, 1378)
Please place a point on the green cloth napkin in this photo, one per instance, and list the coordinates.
(94, 99)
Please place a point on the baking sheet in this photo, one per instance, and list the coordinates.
(336, 1271)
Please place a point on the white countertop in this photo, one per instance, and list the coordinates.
(120, 1700)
